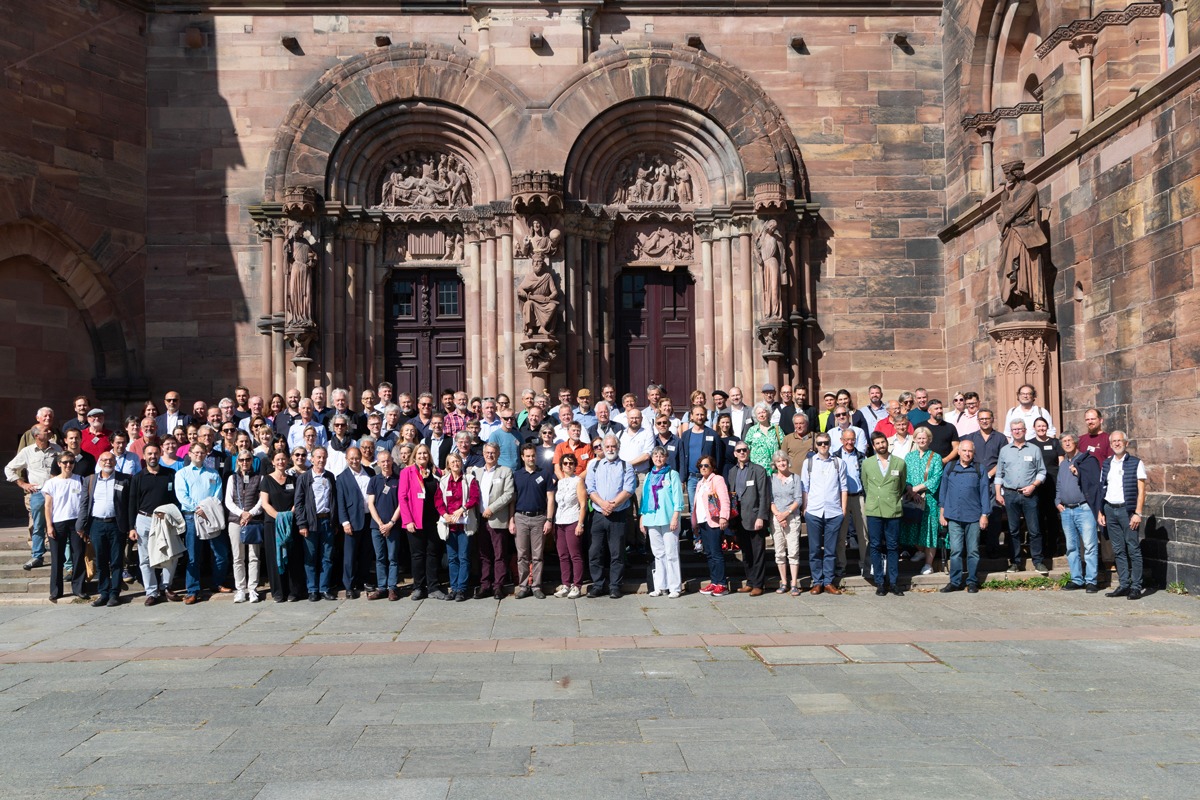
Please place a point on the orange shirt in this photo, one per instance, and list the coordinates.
(583, 454)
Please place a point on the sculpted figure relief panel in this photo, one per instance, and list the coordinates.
(653, 178)
(419, 179)
(538, 294)
(658, 243)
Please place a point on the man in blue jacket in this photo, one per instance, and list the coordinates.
(966, 498)
(1077, 498)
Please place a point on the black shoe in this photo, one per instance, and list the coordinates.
(1091, 588)
(330, 596)
(33, 563)
(295, 598)
(896, 590)
(972, 589)
(1072, 586)
(1042, 568)
(615, 594)
(315, 597)
(595, 591)
(352, 594)
(460, 597)
(480, 593)
(437, 594)
(99, 601)
(113, 602)
(950, 587)
(417, 594)
(1120, 591)
(1135, 594)
(880, 591)
(498, 593)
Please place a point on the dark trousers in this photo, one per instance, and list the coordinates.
(318, 557)
(425, 547)
(1127, 551)
(885, 543)
(493, 556)
(608, 534)
(1053, 540)
(64, 534)
(356, 548)
(109, 544)
(1018, 505)
(711, 536)
(754, 551)
(286, 581)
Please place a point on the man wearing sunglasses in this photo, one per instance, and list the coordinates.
(750, 493)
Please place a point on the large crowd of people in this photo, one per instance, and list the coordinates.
(296, 499)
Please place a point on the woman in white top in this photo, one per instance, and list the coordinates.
(64, 505)
(570, 500)
(787, 501)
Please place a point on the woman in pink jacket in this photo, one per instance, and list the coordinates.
(418, 513)
(710, 516)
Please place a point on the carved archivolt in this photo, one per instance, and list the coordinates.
(421, 179)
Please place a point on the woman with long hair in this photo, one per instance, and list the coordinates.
(418, 483)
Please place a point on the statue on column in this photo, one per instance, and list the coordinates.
(301, 262)
(1022, 273)
(771, 256)
(537, 293)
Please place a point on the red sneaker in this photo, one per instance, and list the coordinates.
(719, 590)
(708, 589)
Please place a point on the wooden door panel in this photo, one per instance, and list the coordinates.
(655, 331)
(428, 344)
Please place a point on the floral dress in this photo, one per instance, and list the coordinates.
(763, 444)
(926, 532)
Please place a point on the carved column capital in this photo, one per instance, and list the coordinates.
(1084, 46)
(269, 228)
(986, 133)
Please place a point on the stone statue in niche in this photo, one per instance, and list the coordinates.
(537, 293)
(301, 262)
(455, 247)
(426, 180)
(652, 179)
(1022, 273)
(770, 255)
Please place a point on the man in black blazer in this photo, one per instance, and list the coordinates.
(438, 442)
(103, 520)
(699, 440)
(174, 416)
(316, 515)
(605, 425)
(750, 484)
(356, 520)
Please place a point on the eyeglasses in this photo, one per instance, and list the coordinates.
(841, 414)
(662, 424)
(741, 449)
(823, 443)
(172, 399)
(228, 430)
(244, 460)
(705, 466)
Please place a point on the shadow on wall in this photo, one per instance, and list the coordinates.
(196, 308)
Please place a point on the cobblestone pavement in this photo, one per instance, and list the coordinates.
(1037, 694)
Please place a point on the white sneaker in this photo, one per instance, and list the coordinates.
(657, 593)
(255, 597)
(917, 556)
(562, 590)
(673, 596)
(240, 597)
(926, 570)
(574, 593)
(698, 546)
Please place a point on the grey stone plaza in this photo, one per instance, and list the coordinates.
(1026, 694)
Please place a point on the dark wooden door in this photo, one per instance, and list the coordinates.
(427, 347)
(656, 332)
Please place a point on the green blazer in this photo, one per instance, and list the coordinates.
(884, 493)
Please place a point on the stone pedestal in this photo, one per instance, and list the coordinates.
(540, 352)
(302, 337)
(1026, 352)
(772, 333)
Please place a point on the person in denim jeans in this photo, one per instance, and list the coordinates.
(1077, 498)
(966, 498)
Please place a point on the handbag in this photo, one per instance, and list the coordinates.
(252, 533)
(914, 510)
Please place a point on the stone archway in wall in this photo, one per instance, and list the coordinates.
(394, 170)
(66, 333)
(688, 166)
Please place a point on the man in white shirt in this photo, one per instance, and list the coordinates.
(1123, 483)
(901, 443)
(307, 419)
(1028, 412)
(740, 413)
(29, 470)
(64, 504)
(489, 420)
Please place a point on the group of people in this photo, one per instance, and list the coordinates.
(310, 500)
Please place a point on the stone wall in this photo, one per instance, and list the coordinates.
(1123, 200)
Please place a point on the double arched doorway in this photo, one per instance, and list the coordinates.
(674, 220)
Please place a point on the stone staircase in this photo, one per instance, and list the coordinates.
(14, 551)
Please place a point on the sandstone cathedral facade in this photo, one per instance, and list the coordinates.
(518, 193)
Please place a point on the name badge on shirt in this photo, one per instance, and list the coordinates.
(749, 483)
(708, 438)
(671, 448)
(119, 488)
(170, 486)
(895, 473)
(387, 490)
(1047, 447)
(1029, 458)
(420, 495)
(291, 487)
(538, 479)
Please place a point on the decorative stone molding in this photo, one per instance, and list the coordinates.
(656, 243)
(1026, 348)
(300, 202)
(1105, 19)
(540, 353)
(268, 228)
(773, 335)
(990, 118)
(769, 198)
(1084, 46)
